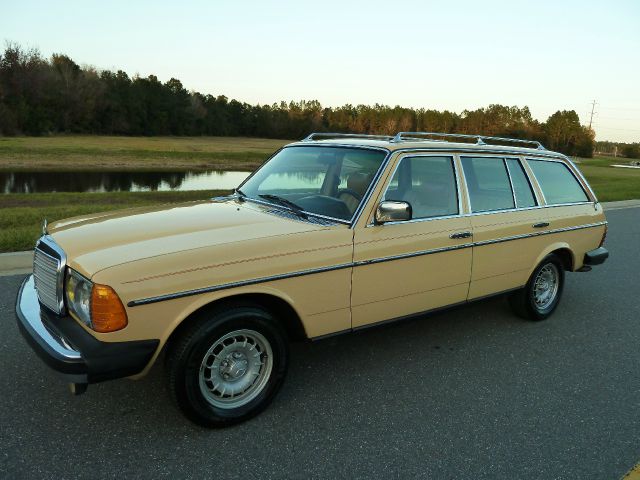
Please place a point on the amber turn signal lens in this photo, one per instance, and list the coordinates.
(107, 312)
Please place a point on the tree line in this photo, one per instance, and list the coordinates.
(41, 96)
(629, 150)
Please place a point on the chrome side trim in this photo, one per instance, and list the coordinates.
(242, 283)
(360, 263)
(537, 234)
(419, 253)
(490, 212)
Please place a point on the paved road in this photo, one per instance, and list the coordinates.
(473, 393)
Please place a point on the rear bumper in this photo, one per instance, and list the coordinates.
(596, 257)
(70, 350)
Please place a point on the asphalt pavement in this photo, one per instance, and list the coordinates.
(470, 393)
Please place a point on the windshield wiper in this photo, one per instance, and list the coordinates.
(241, 195)
(287, 203)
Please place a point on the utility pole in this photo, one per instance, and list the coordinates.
(593, 107)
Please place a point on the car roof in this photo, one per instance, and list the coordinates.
(388, 143)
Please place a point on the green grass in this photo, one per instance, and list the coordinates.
(611, 184)
(134, 153)
(21, 214)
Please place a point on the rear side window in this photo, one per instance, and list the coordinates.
(557, 182)
(428, 184)
(521, 185)
(488, 184)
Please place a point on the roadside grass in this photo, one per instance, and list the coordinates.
(93, 152)
(21, 214)
(611, 184)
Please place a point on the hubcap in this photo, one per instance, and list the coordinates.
(545, 287)
(235, 369)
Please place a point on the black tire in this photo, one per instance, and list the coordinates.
(523, 301)
(186, 354)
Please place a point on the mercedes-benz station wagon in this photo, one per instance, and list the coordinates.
(332, 234)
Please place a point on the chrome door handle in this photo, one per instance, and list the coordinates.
(458, 235)
(540, 225)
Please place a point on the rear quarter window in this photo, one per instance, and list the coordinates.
(557, 182)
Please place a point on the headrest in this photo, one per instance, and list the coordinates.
(358, 182)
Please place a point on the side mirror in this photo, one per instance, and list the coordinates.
(391, 211)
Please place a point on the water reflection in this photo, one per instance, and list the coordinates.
(40, 182)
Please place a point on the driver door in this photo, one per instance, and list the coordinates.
(404, 268)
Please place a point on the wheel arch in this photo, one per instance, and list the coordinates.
(563, 251)
(281, 308)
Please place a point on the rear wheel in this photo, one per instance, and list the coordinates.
(541, 295)
(227, 365)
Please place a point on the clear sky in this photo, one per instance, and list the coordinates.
(547, 54)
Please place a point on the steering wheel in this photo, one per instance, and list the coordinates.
(350, 198)
(349, 192)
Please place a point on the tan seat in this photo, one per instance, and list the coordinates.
(430, 199)
(358, 183)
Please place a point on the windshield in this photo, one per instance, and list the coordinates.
(328, 181)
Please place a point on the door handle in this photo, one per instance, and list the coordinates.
(458, 235)
(540, 225)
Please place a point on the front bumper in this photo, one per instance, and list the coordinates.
(596, 257)
(69, 349)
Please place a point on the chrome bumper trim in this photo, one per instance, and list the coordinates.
(28, 310)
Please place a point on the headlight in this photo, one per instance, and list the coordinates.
(97, 306)
(78, 295)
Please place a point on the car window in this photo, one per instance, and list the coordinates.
(329, 181)
(428, 184)
(557, 182)
(488, 183)
(521, 185)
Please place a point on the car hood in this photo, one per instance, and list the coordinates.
(95, 242)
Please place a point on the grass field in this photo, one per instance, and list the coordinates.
(134, 153)
(611, 184)
(21, 214)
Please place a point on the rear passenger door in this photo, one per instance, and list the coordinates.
(504, 212)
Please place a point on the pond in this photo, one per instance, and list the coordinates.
(110, 181)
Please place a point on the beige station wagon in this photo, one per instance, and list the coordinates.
(332, 234)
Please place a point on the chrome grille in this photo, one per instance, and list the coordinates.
(47, 273)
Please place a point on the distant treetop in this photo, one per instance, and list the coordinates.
(39, 96)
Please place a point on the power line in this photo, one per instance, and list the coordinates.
(622, 129)
(618, 118)
(621, 108)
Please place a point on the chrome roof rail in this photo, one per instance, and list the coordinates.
(316, 135)
(480, 139)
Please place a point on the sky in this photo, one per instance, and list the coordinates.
(548, 55)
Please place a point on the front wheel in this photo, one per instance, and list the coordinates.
(541, 295)
(227, 365)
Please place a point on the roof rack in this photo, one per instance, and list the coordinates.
(315, 135)
(480, 139)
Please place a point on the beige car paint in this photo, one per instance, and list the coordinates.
(158, 251)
